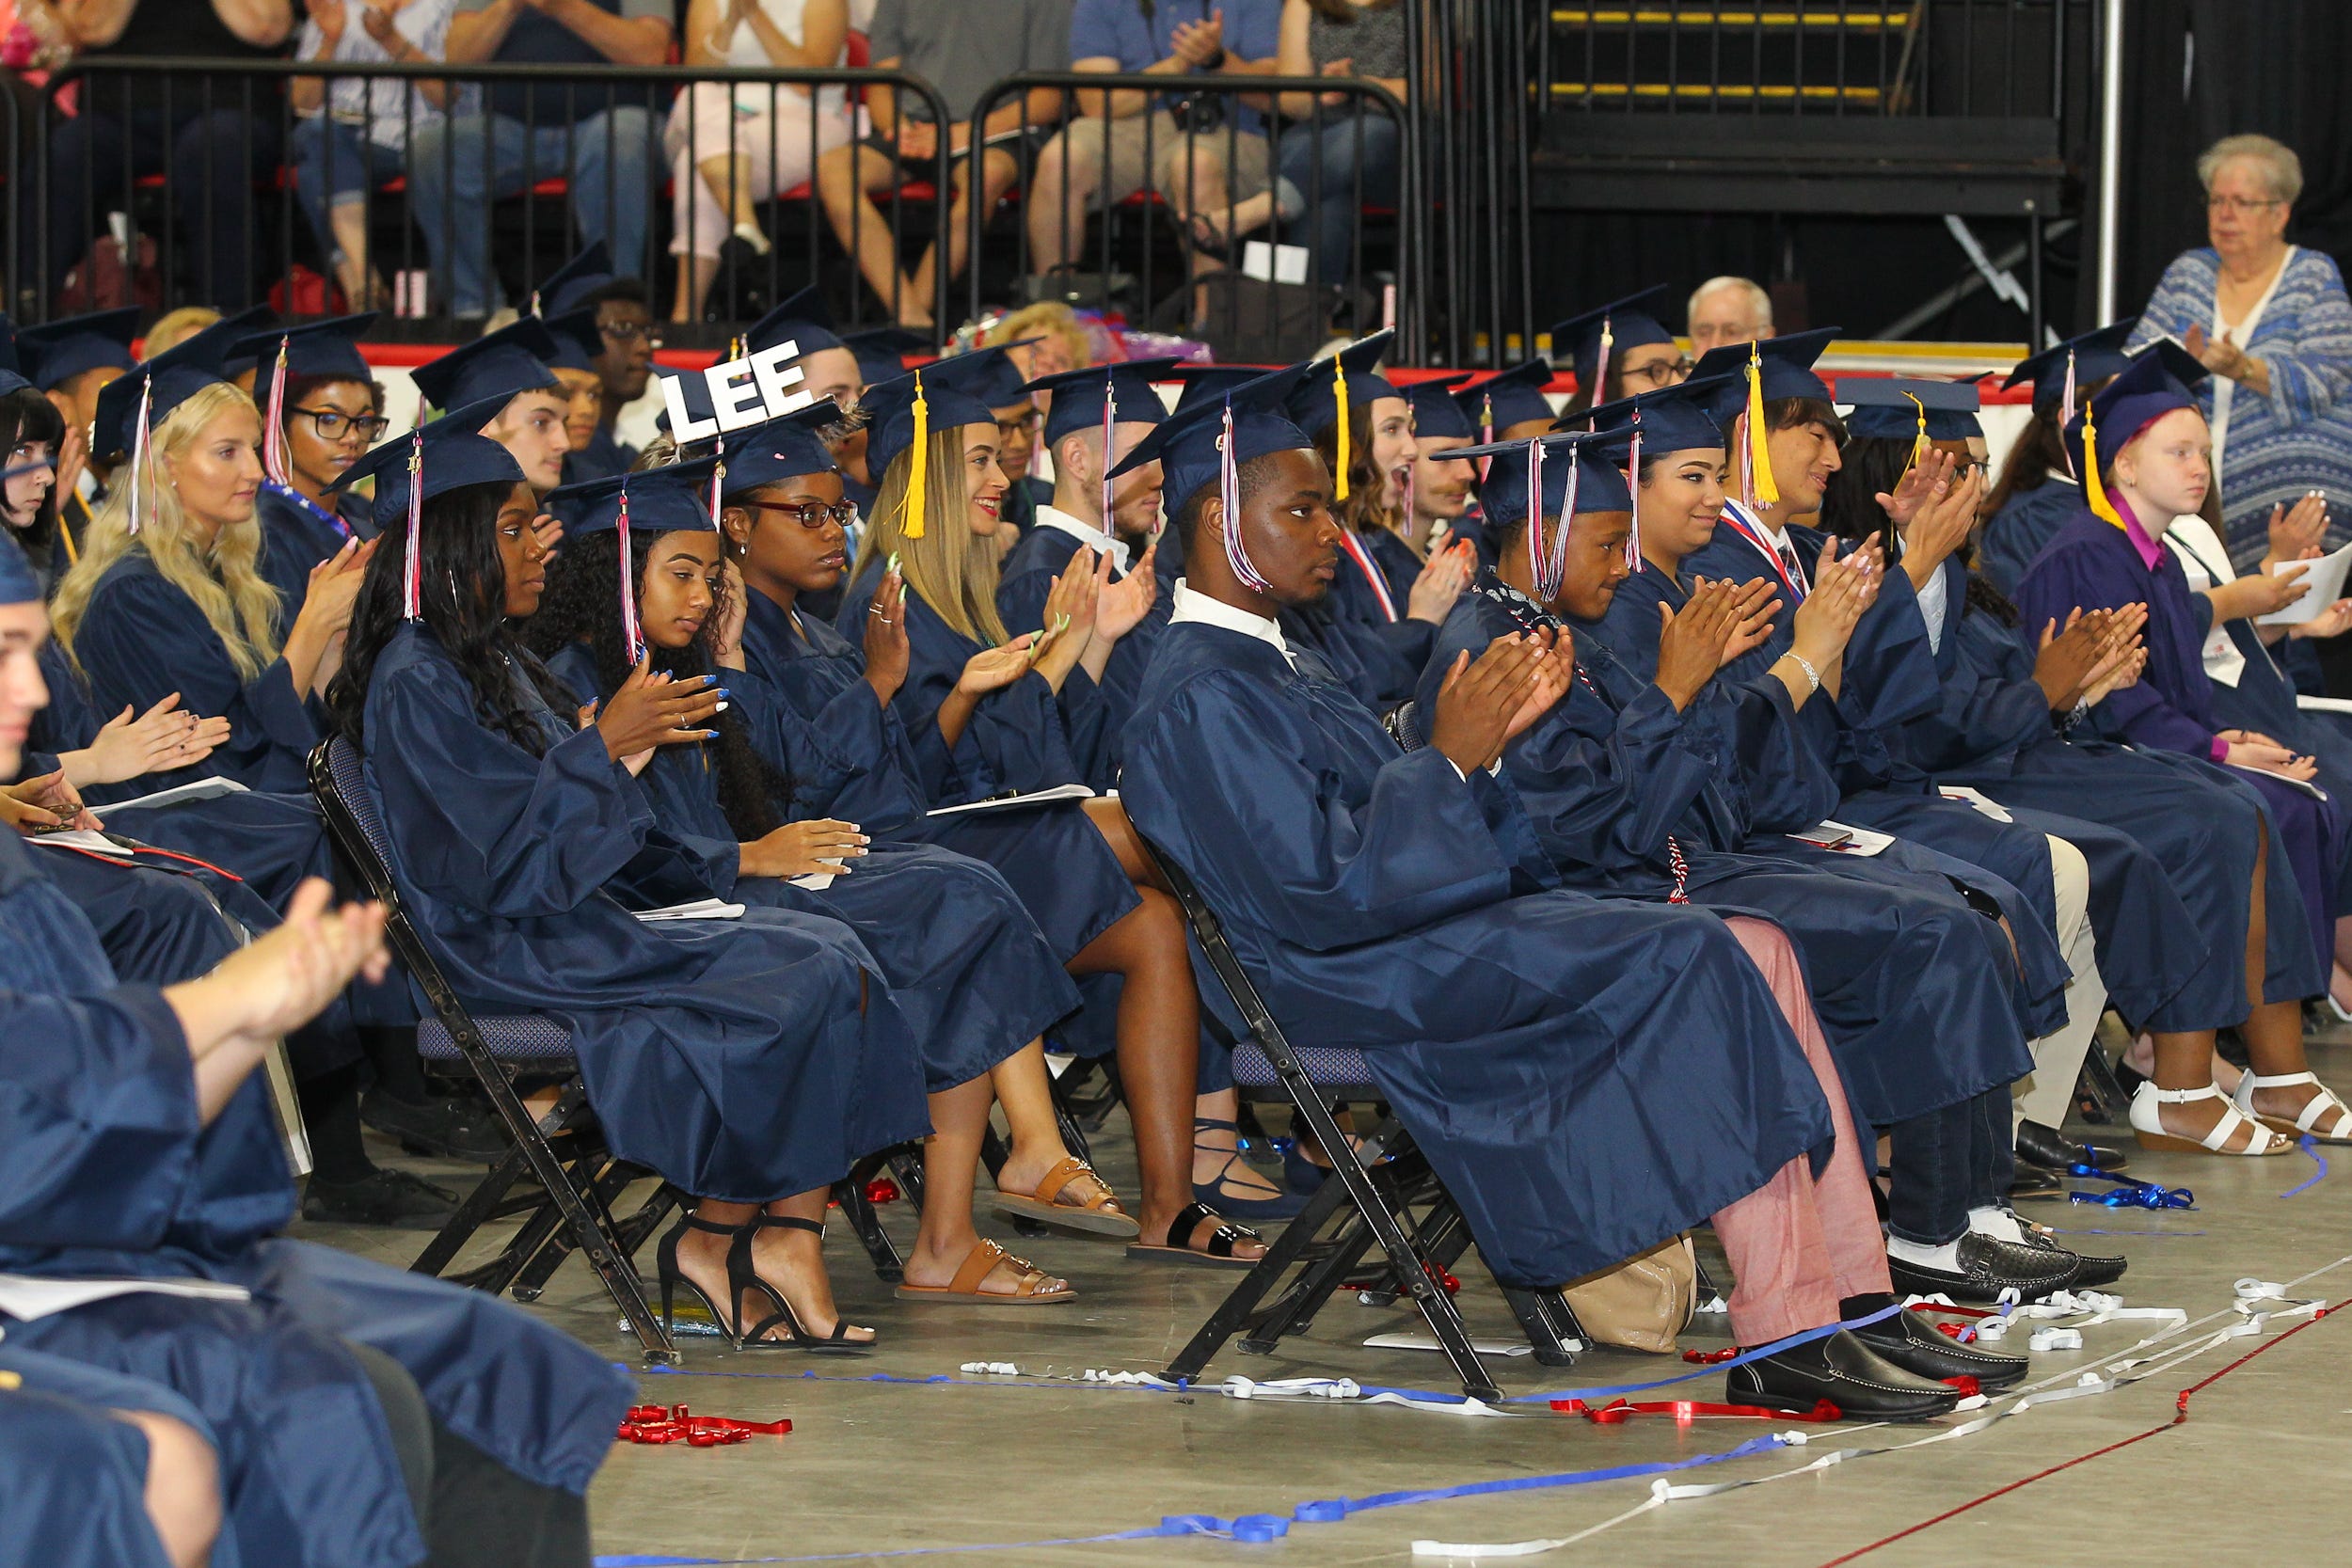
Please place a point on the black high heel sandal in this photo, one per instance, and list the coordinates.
(672, 1275)
(742, 1276)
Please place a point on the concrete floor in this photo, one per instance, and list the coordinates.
(2258, 1473)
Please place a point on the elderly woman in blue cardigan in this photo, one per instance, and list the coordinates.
(2271, 322)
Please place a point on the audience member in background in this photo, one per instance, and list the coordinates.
(2271, 322)
(353, 133)
(212, 147)
(600, 137)
(72, 361)
(330, 414)
(1340, 163)
(1123, 142)
(1727, 309)
(1619, 351)
(733, 145)
(963, 48)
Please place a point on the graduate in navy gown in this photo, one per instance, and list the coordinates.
(1076, 870)
(1389, 601)
(1086, 403)
(137, 1143)
(321, 408)
(1682, 790)
(1586, 1078)
(1618, 350)
(32, 441)
(966, 966)
(104, 1472)
(751, 1060)
(579, 344)
(2039, 490)
(2176, 896)
(533, 412)
(70, 361)
(2145, 456)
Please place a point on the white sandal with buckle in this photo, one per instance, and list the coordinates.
(2323, 1105)
(2147, 1119)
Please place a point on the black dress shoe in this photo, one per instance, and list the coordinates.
(2093, 1273)
(1842, 1370)
(2030, 1181)
(2047, 1146)
(1914, 1343)
(1988, 1267)
(393, 1198)
(455, 1127)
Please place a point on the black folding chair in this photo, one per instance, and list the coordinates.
(577, 1178)
(1369, 1201)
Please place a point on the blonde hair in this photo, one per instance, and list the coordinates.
(175, 328)
(1047, 318)
(950, 568)
(2282, 170)
(238, 603)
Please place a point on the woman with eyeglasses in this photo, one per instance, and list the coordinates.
(327, 414)
(2271, 321)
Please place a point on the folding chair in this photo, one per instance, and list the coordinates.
(1371, 1201)
(577, 1178)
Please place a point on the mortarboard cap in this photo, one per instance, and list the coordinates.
(1187, 443)
(2095, 357)
(779, 450)
(1507, 397)
(1674, 419)
(1315, 404)
(577, 340)
(564, 289)
(1435, 412)
(508, 362)
(882, 350)
(453, 454)
(986, 374)
(1907, 408)
(329, 347)
(674, 498)
(1210, 383)
(1606, 333)
(803, 320)
(1080, 396)
(2158, 380)
(891, 405)
(1574, 474)
(54, 353)
(164, 382)
(1785, 361)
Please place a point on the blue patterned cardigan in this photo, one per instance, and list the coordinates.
(2300, 438)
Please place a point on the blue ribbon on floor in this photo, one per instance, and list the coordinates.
(2311, 1147)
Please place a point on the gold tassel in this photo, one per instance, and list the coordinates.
(1760, 450)
(1920, 445)
(912, 526)
(1338, 394)
(2093, 489)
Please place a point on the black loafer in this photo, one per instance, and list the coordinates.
(1842, 1370)
(2092, 1273)
(455, 1127)
(2030, 1181)
(1988, 1267)
(1912, 1342)
(393, 1198)
(2047, 1146)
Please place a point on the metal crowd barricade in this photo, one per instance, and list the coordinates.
(1246, 318)
(66, 196)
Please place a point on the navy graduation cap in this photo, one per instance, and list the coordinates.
(135, 402)
(779, 450)
(1507, 397)
(1120, 394)
(2077, 362)
(1776, 369)
(409, 470)
(508, 362)
(1594, 340)
(802, 321)
(987, 373)
(1330, 389)
(1208, 444)
(575, 280)
(577, 340)
(905, 411)
(2158, 380)
(882, 350)
(1435, 412)
(1570, 472)
(1205, 384)
(56, 352)
(680, 498)
(1908, 408)
(329, 347)
(1672, 419)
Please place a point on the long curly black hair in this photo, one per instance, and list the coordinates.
(26, 416)
(463, 596)
(581, 608)
(1850, 509)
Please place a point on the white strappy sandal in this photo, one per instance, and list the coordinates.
(2147, 1123)
(2325, 1117)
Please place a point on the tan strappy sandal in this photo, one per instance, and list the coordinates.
(977, 1265)
(1056, 1202)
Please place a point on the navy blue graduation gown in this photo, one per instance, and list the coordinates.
(1021, 499)
(1588, 1078)
(745, 1060)
(298, 534)
(1915, 991)
(2171, 855)
(107, 1171)
(142, 638)
(2093, 564)
(2008, 864)
(76, 1492)
(967, 967)
(1044, 554)
(2022, 529)
(1391, 646)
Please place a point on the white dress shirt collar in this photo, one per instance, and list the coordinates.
(1192, 606)
(1085, 533)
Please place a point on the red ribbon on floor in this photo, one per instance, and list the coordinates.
(654, 1424)
(1618, 1412)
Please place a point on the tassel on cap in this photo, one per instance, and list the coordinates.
(1760, 488)
(918, 479)
(1634, 488)
(2066, 414)
(1229, 496)
(1601, 368)
(412, 563)
(1345, 459)
(1485, 436)
(631, 633)
(1920, 445)
(1110, 397)
(1536, 551)
(139, 455)
(718, 489)
(274, 419)
(2094, 490)
(1556, 568)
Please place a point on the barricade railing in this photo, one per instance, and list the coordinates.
(1277, 186)
(430, 155)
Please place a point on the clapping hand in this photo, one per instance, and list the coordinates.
(1482, 705)
(651, 709)
(164, 737)
(1199, 43)
(2296, 535)
(1843, 588)
(887, 650)
(1121, 607)
(380, 27)
(1928, 477)
(2217, 355)
(1442, 577)
(1691, 641)
(1758, 603)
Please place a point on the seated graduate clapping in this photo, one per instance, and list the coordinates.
(1587, 1078)
(965, 964)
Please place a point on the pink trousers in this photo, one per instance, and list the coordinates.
(1800, 1244)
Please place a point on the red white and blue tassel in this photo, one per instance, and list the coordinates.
(632, 634)
(412, 563)
(1229, 494)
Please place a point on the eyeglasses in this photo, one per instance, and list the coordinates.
(2239, 206)
(1664, 372)
(809, 515)
(332, 423)
(1026, 424)
(629, 332)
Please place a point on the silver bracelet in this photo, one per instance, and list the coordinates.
(1810, 674)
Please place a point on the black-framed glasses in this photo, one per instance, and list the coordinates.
(629, 332)
(809, 515)
(1662, 372)
(332, 423)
